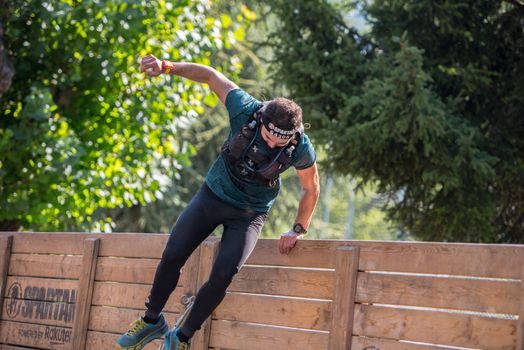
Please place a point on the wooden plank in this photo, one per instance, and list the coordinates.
(235, 335)
(520, 324)
(346, 273)
(30, 288)
(131, 296)
(57, 266)
(461, 259)
(48, 243)
(140, 270)
(6, 244)
(295, 282)
(117, 320)
(492, 296)
(131, 245)
(33, 335)
(275, 310)
(189, 276)
(126, 270)
(208, 253)
(414, 257)
(107, 341)
(364, 343)
(481, 260)
(39, 312)
(306, 253)
(434, 327)
(11, 347)
(85, 293)
(40, 300)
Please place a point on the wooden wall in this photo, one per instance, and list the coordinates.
(81, 291)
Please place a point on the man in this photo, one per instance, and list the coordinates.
(265, 139)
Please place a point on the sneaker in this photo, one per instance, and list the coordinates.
(140, 333)
(171, 341)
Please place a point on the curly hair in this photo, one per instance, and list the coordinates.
(284, 113)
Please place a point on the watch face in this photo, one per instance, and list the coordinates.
(297, 228)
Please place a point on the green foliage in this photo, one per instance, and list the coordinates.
(429, 105)
(81, 129)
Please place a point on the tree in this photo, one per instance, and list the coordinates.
(428, 104)
(81, 129)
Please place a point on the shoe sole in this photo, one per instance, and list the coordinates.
(144, 341)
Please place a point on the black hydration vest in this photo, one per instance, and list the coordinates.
(248, 163)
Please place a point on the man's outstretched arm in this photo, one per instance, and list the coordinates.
(217, 81)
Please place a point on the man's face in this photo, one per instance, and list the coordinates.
(272, 140)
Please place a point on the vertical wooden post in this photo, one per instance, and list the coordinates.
(190, 274)
(520, 322)
(346, 271)
(208, 254)
(85, 293)
(6, 242)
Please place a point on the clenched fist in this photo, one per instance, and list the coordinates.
(151, 65)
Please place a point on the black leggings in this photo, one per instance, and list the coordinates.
(202, 215)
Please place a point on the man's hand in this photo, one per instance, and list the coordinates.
(288, 241)
(151, 65)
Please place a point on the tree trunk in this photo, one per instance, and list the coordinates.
(7, 71)
(9, 225)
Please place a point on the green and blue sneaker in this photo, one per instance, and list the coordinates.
(171, 341)
(140, 333)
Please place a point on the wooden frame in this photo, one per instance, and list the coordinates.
(84, 290)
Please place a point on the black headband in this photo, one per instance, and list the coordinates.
(276, 131)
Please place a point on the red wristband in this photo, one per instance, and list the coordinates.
(167, 66)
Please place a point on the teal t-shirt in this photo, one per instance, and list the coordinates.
(240, 106)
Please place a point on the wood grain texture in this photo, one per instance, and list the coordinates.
(36, 336)
(132, 296)
(364, 343)
(275, 310)
(454, 329)
(419, 257)
(208, 253)
(39, 283)
(346, 272)
(520, 324)
(54, 266)
(85, 293)
(241, 336)
(415, 257)
(492, 296)
(306, 283)
(6, 243)
(131, 245)
(126, 270)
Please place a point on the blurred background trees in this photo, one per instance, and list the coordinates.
(416, 111)
(428, 105)
(81, 129)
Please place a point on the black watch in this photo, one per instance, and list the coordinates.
(299, 229)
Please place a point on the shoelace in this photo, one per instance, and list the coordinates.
(182, 346)
(136, 326)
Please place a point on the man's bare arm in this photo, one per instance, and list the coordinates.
(309, 180)
(217, 81)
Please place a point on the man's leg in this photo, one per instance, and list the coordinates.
(194, 225)
(238, 240)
